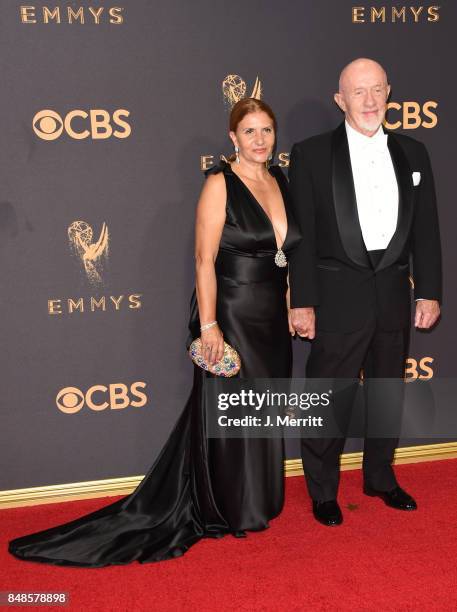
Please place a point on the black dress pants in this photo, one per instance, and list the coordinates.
(335, 355)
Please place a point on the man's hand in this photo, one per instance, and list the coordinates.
(427, 313)
(303, 321)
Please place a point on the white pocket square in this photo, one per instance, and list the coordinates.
(416, 178)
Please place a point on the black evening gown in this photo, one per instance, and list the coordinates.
(199, 486)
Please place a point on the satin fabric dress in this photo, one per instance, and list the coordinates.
(199, 486)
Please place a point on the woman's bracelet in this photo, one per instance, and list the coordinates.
(208, 325)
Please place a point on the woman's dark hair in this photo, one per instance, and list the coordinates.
(245, 107)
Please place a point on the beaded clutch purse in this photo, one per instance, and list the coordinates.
(229, 365)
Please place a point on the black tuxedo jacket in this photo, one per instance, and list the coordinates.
(331, 269)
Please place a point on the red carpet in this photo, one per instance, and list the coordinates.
(379, 559)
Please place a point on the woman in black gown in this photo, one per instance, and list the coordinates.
(199, 486)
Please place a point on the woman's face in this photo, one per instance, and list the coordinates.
(255, 137)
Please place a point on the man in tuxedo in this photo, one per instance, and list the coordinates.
(364, 198)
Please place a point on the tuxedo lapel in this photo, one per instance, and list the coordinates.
(405, 203)
(344, 199)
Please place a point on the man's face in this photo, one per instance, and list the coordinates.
(363, 96)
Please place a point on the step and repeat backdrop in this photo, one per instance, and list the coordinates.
(110, 113)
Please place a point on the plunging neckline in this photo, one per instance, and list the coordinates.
(278, 247)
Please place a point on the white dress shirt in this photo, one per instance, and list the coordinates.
(375, 185)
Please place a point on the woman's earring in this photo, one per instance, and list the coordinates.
(267, 163)
(237, 156)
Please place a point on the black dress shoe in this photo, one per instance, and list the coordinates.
(327, 512)
(396, 498)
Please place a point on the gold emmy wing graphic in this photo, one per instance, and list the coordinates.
(92, 254)
(234, 89)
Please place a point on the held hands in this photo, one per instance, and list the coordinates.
(213, 344)
(302, 321)
(427, 313)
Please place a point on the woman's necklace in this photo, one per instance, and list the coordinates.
(280, 257)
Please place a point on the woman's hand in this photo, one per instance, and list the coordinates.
(291, 327)
(289, 318)
(303, 321)
(213, 344)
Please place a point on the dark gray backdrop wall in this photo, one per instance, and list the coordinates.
(107, 117)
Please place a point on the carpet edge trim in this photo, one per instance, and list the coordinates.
(123, 486)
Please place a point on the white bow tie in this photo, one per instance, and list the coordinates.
(378, 143)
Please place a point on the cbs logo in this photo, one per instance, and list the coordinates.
(115, 396)
(79, 124)
(418, 369)
(412, 115)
